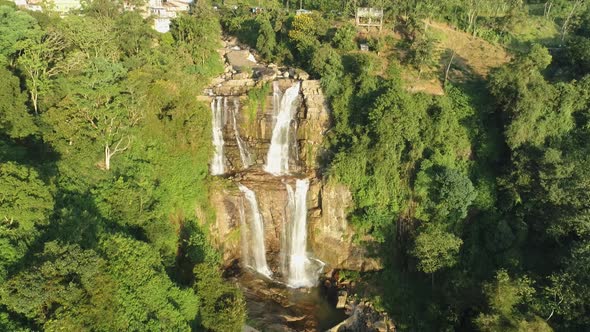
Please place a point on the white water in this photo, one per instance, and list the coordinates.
(217, 109)
(244, 153)
(277, 160)
(256, 234)
(300, 269)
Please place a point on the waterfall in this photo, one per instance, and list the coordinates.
(244, 153)
(218, 106)
(256, 233)
(300, 269)
(277, 161)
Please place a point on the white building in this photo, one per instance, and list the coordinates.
(164, 11)
(60, 6)
(65, 6)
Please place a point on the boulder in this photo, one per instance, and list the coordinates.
(241, 75)
(240, 59)
(342, 297)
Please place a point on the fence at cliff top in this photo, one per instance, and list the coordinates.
(369, 17)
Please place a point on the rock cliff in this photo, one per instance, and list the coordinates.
(248, 93)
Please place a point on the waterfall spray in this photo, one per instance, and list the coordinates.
(218, 110)
(256, 233)
(277, 161)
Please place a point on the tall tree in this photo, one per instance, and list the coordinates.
(25, 205)
(102, 109)
(15, 120)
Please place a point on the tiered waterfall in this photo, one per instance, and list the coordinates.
(289, 262)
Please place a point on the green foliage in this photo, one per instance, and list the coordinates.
(266, 42)
(422, 53)
(504, 295)
(327, 64)
(25, 205)
(83, 249)
(72, 281)
(223, 306)
(304, 33)
(256, 99)
(15, 121)
(197, 35)
(578, 53)
(436, 249)
(344, 38)
(535, 109)
(450, 193)
(146, 298)
(15, 27)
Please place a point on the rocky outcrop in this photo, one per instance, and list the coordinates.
(330, 237)
(364, 318)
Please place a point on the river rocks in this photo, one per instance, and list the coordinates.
(242, 75)
(266, 74)
(240, 59)
(342, 297)
(233, 87)
(364, 318)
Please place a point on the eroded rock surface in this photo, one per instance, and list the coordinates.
(330, 237)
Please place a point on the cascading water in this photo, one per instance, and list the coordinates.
(296, 267)
(277, 161)
(218, 109)
(301, 270)
(244, 153)
(256, 233)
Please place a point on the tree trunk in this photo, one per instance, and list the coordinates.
(567, 20)
(34, 98)
(107, 157)
(448, 68)
(547, 9)
(109, 153)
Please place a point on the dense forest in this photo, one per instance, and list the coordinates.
(475, 199)
(104, 157)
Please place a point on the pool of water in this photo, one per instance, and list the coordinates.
(272, 306)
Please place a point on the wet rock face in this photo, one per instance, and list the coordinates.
(255, 122)
(329, 234)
